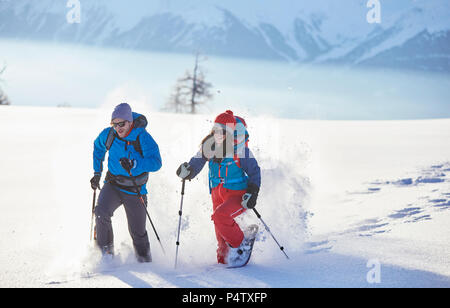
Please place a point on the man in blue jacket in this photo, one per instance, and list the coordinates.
(131, 150)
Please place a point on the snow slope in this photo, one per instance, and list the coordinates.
(336, 194)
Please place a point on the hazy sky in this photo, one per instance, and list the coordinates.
(53, 74)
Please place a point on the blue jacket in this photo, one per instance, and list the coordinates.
(150, 162)
(228, 172)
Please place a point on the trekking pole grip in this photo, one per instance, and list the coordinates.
(182, 186)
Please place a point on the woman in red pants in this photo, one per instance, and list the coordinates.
(234, 180)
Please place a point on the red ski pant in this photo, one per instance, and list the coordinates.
(226, 206)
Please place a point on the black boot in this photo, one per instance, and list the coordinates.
(143, 254)
(107, 251)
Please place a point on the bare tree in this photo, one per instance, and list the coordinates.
(190, 91)
(176, 100)
(4, 100)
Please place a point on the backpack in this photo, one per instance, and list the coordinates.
(241, 135)
(241, 138)
(112, 135)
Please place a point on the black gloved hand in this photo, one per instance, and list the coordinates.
(127, 164)
(250, 197)
(95, 181)
(185, 171)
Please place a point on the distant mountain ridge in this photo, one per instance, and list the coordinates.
(411, 35)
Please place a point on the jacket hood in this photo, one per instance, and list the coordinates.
(139, 120)
(139, 124)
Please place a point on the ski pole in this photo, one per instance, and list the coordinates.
(268, 230)
(144, 204)
(92, 212)
(180, 212)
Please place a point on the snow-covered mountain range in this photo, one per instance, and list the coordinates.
(412, 34)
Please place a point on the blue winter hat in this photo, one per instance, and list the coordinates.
(122, 111)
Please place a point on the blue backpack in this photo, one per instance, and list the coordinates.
(239, 179)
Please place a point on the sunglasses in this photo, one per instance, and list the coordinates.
(120, 124)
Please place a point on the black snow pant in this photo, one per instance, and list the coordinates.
(109, 200)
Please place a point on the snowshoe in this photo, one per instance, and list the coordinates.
(239, 257)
